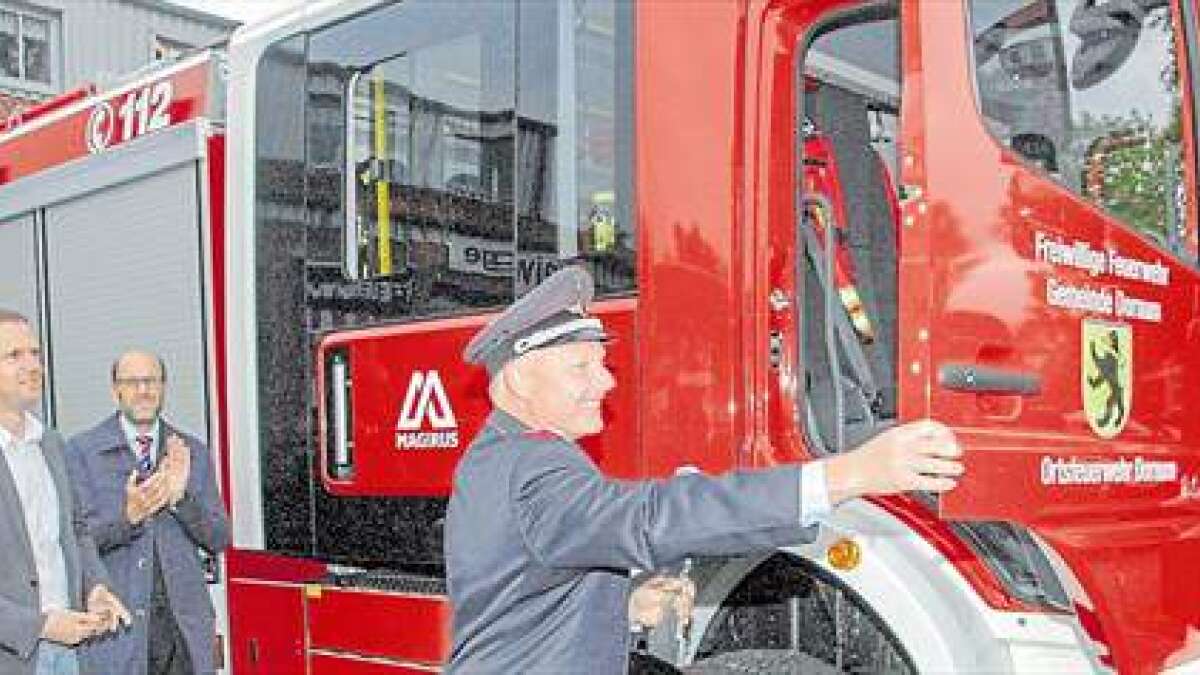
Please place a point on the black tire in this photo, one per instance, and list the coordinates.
(761, 662)
(645, 664)
(788, 600)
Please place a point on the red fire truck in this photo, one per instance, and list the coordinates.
(808, 219)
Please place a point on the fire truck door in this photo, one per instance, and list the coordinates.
(1048, 293)
(1043, 298)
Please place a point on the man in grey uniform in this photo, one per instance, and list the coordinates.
(539, 544)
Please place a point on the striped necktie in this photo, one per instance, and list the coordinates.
(145, 456)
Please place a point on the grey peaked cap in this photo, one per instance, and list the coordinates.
(561, 300)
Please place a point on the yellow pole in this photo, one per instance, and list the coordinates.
(383, 197)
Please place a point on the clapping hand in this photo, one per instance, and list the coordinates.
(165, 487)
(102, 603)
(177, 466)
(146, 498)
(104, 613)
(67, 627)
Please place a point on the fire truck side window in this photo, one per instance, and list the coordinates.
(451, 185)
(1090, 92)
(430, 170)
(420, 161)
(575, 142)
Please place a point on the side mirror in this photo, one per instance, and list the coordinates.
(1108, 33)
(1029, 59)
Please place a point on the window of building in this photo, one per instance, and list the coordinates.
(1091, 93)
(28, 42)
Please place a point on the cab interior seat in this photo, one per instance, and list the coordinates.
(870, 233)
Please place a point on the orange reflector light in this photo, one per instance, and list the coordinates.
(844, 555)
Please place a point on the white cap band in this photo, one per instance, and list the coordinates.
(547, 335)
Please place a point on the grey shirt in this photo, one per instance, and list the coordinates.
(39, 501)
(539, 544)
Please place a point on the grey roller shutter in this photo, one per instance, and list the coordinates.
(124, 271)
(18, 266)
(19, 270)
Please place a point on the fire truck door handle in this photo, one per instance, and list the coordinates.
(980, 379)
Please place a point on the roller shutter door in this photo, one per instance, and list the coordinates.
(124, 271)
(18, 266)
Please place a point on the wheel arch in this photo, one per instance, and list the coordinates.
(911, 589)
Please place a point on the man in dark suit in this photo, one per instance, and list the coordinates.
(151, 499)
(48, 560)
(539, 544)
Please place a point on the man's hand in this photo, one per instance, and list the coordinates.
(650, 600)
(70, 628)
(177, 465)
(103, 603)
(147, 498)
(920, 455)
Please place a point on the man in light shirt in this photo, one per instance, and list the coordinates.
(47, 555)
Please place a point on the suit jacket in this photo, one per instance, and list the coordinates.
(100, 462)
(539, 545)
(21, 617)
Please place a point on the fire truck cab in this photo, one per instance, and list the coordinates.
(808, 220)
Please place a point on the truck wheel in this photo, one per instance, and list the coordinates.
(788, 608)
(647, 664)
(761, 662)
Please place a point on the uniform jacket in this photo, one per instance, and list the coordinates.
(539, 545)
(100, 461)
(21, 618)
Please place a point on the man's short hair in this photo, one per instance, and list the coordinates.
(12, 316)
(116, 364)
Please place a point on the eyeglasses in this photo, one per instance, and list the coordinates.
(139, 382)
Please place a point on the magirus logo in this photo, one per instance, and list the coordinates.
(426, 417)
